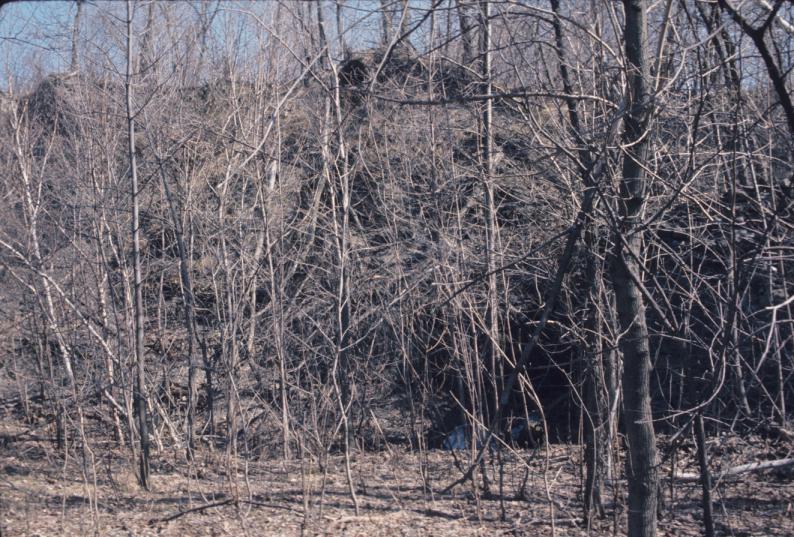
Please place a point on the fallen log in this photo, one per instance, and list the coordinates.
(738, 470)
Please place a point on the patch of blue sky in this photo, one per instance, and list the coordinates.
(36, 36)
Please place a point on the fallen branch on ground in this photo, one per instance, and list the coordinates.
(186, 511)
(221, 503)
(738, 470)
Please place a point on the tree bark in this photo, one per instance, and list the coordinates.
(140, 378)
(74, 64)
(486, 148)
(386, 21)
(641, 460)
(595, 397)
(705, 475)
(465, 23)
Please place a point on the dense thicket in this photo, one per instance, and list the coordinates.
(342, 247)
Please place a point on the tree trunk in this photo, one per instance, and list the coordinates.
(595, 396)
(386, 21)
(641, 460)
(405, 18)
(465, 23)
(486, 147)
(705, 475)
(187, 299)
(340, 28)
(140, 380)
(74, 64)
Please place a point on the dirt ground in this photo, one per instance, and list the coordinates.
(43, 494)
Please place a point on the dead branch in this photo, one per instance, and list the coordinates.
(751, 467)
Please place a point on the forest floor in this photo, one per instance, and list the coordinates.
(43, 494)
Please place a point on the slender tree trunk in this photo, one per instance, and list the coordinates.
(140, 380)
(187, 298)
(641, 461)
(486, 146)
(387, 17)
(467, 39)
(277, 294)
(705, 475)
(595, 406)
(341, 371)
(74, 64)
(32, 208)
(103, 309)
(340, 28)
(147, 56)
(405, 18)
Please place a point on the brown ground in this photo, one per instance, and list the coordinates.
(41, 494)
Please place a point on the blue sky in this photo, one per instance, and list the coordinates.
(35, 36)
(34, 32)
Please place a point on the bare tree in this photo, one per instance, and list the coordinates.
(140, 371)
(641, 463)
(481, 228)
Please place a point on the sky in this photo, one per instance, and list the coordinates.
(33, 33)
(35, 36)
